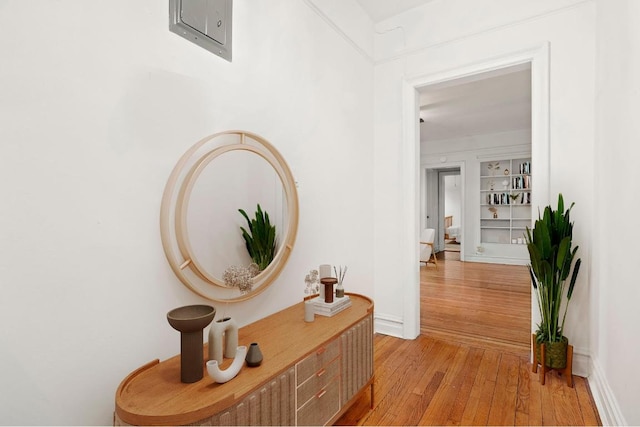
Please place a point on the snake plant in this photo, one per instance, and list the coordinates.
(551, 257)
(260, 240)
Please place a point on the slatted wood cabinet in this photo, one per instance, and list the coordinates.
(310, 375)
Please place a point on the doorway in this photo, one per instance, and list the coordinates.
(451, 209)
(444, 196)
(538, 58)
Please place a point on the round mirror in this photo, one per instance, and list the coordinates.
(202, 223)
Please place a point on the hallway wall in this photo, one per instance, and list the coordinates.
(99, 101)
(424, 51)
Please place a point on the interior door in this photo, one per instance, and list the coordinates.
(450, 202)
(432, 203)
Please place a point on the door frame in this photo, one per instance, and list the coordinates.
(441, 206)
(538, 56)
(441, 169)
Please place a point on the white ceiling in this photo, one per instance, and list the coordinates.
(489, 103)
(495, 102)
(379, 10)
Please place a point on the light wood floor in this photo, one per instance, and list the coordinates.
(450, 377)
(467, 300)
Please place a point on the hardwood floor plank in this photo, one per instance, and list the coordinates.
(523, 395)
(472, 365)
(405, 386)
(585, 400)
(440, 408)
(486, 300)
(547, 403)
(459, 377)
(503, 405)
(487, 390)
(385, 376)
(560, 393)
(479, 401)
(535, 399)
(437, 361)
(573, 405)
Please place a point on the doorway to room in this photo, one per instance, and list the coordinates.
(443, 206)
(452, 209)
(539, 59)
(465, 122)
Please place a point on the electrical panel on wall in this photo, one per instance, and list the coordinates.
(206, 23)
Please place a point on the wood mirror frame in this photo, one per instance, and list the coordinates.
(175, 204)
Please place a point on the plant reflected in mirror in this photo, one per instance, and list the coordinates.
(260, 240)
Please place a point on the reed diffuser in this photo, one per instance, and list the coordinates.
(340, 276)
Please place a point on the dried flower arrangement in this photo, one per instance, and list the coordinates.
(241, 277)
(312, 280)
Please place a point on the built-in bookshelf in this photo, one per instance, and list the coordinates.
(505, 200)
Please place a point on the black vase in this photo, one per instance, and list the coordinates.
(254, 355)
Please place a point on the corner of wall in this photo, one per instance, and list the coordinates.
(605, 401)
(388, 325)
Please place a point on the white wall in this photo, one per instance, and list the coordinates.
(470, 151)
(615, 292)
(503, 29)
(99, 100)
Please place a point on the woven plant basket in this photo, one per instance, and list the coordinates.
(556, 353)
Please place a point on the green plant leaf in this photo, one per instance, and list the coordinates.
(533, 278)
(560, 203)
(564, 257)
(574, 276)
(261, 237)
(551, 254)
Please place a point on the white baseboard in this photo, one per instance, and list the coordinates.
(388, 325)
(495, 260)
(607, 405)
(581, 363)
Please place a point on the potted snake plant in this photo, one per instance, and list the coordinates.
(260, 239)
(552, 257)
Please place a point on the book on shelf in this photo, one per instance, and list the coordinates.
(331, 308)
(525, 168)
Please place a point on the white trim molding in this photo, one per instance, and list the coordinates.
(538, 56)
(387, 324)
(581, 362)
(607, 405)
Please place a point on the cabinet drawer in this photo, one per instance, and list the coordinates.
(310, 365)
(318, 381)
(321, 407)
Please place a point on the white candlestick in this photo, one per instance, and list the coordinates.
(309, 311)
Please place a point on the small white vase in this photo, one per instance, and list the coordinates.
(309, 311)
(223, 331)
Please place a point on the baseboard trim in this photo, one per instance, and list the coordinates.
(495, 260)
(388, 325)
(581, 363)
(605, 401)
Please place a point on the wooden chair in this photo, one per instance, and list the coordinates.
(427, 251)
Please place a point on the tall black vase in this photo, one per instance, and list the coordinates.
(190, 320)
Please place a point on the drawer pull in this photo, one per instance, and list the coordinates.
(320, 351)
(321, 373)
(322, 393)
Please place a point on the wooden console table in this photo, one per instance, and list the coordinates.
(310, 375)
